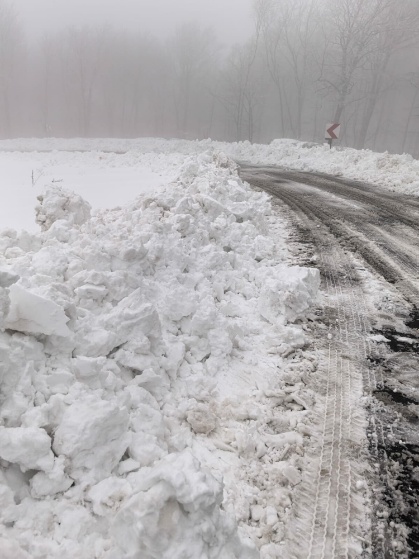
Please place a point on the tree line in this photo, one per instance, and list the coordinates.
(307, 63)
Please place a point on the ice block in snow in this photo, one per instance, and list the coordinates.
(35, 314)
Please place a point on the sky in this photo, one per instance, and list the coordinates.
(232, 19)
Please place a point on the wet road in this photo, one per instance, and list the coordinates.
(382, 227)
(357, 231)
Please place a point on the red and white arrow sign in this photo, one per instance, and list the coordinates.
(332, 131)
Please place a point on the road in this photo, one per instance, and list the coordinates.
(360, 494)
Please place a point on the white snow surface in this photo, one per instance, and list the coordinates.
(391, 171)
(148, 406)
(104, 180)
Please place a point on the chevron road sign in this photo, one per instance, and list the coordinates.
(332, 131)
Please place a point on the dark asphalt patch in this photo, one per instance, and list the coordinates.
(402, 497)
(397, 400)
(413, 321)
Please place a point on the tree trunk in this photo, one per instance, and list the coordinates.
(409, 118)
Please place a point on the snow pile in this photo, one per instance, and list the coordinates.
(145, 411)
(61, 205)
(394, 172)
(391, 171)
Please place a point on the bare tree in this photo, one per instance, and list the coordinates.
(273, 28)
(193, 50)
(307, 62)
(83, 57)
(47, 52)
(11, 39)
(355, 27)
(399, 30)
(241, 90)
(289, 31)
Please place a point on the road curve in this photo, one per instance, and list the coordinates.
(367, 410)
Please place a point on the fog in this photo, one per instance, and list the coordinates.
(231, 18)
(227, 69)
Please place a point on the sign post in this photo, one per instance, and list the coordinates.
(332, 132)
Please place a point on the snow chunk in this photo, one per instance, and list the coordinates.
(379, 338)
(51, 483)
(287, 472)
(30, 447)
(32, 313)
(59, 203)
(108, 494)
(202, 419)
(405, 340)
(179, 303)
(7, 278)
(176, 515)
(12, 550)
(223, 161)
(4, 306)
(144, 449)
(289, 294)
(93, 435)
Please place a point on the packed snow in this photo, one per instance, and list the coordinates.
(152, 366)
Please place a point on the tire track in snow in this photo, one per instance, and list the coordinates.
(327, 504)
(335, 527)
(333, 531)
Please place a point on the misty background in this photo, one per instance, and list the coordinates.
(229, 70)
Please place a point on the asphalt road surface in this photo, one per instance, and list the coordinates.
(365, 240)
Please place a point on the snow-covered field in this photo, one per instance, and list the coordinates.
(104, 180)
(152, 368)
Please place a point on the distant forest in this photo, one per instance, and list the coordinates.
(308, 62)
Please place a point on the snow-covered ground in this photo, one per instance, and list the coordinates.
(104, 180)
(152, 347)
(152, 368)
(394, 172)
